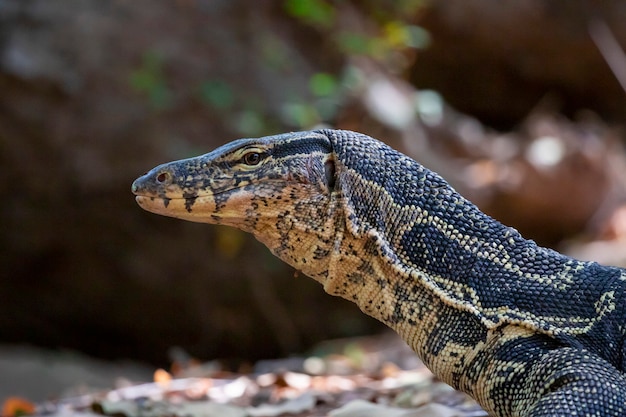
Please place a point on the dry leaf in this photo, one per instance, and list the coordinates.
(16, 406)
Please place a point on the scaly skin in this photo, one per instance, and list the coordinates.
(524, 330)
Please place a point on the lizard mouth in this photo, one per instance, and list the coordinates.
(193, 208)
(151, 193)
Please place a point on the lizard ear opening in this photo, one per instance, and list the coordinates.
(329, 171)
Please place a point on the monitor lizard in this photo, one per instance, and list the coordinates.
(524, 330)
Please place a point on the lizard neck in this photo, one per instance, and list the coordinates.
(409, 224)
(418, 256)
(427, 291)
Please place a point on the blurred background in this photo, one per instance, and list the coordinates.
(520, 105)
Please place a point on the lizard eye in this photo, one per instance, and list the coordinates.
(163, 177)
(252, 158)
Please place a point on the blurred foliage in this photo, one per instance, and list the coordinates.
(394, 37)
(274, 52)
(229, 241)
(217, 94)
(399, 35)
(315, 12)
(390, 28)
(300, 114)
(389, 36)
(322, 84)
(250, 122)
(150, 80)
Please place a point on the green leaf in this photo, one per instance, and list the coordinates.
(322, 84)
(150, 80)
(217, 94)
(316, 12)
(300, 114)
(354, 43)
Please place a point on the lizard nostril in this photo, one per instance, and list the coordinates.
(163, 177)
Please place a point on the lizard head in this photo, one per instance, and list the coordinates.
(251, 184)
